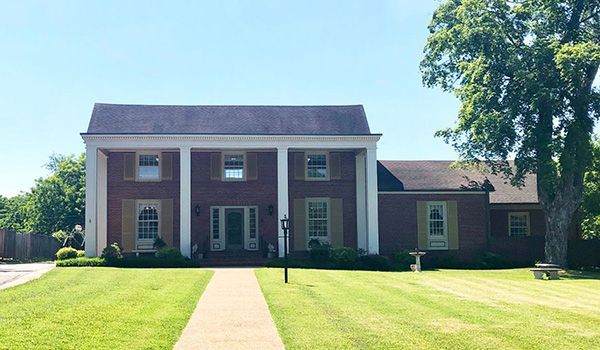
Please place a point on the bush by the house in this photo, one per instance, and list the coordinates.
(82, 261)
(159, 243)
(112, 252)
(150, 262)
(319, 251)
(374, 262)
(66, 253)
(81, 253)
(344, 256)
(171, 253)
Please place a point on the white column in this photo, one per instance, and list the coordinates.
(185, 199)
(372, 202)
(101, 198)
(282, 194)
(361, 204)
(90, 200)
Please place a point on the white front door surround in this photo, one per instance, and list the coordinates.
(365, 147)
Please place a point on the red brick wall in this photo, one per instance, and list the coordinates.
(344, 188)
(398, 223)
(261, 192)
(119, 189)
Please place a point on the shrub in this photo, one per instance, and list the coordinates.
(159, 243)
(112, 252)
(344, 256)
(149, 262)
(81, 262)
(374, 262)
(60, 236)
(403, 260)
(319, 251)
(81, 253)
(66, 253)
(170, 253)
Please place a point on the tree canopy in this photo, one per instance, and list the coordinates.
(590, 209)
(524, 73)
(55, 203)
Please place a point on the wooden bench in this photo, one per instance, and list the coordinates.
(549, 270)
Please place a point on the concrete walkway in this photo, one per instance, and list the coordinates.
(14, 274)
(232, 314)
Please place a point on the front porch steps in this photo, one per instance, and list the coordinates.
(242, 258)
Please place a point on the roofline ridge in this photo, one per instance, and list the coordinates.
(223, 105)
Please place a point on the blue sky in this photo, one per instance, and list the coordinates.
(59, 57)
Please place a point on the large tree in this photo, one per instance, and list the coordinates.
(524, 73)
(590, 209)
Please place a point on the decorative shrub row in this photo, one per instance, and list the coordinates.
(82, 261)
(69, 253)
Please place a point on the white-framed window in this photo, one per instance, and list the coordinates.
(437, 225)
(317, 218)
(234, 166)
(148, 166)
(317, 165)
(147, 223)
(518, 224)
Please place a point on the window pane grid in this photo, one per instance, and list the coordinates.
(519, 225)
(436, 220)
(148, 166)
(215, 223)
(317, 219)
(147, 221)
(252, 222)
(234, 166)
(316, 165)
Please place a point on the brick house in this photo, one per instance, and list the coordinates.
(215, 180)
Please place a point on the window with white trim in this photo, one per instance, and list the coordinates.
(148, 166)
(317, 218)
(317, 166)
(518, 224)
(233, 166)
(148, 220)
(436, 215)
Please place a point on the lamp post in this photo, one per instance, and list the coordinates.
(285, 226)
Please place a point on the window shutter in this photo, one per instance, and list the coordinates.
(422, 225)
(252, 166)
(452, 209)
(299, 223)
(335, 166)
(129, 166)
(215, 166)
(337, 222)
(299, 166)
(166, 221)
(128, 225)
(166, 166)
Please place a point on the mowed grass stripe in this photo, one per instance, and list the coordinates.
(100, 308)
(349, 309)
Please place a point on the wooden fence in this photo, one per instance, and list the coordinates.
(15, 245)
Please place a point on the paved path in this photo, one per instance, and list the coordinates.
(14, 274)
(232, 314)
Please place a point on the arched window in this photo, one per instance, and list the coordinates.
(148, 221)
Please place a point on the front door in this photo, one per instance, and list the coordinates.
(234, 228)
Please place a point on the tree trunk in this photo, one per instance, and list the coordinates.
(557, 234)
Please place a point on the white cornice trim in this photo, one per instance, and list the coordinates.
(203, 141)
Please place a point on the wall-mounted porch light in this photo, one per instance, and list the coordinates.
(197, 210)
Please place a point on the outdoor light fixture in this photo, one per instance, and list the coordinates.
(270, 210)
(285, 227)
(197, 210)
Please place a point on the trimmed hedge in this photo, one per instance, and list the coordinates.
(66, 253)
(82, 261)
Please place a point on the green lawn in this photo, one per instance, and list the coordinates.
(100, 308)
(447, 309)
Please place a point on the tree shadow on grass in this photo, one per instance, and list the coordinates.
(581, 275)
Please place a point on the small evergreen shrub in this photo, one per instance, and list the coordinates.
(112, 252)
(78, 262)
(170, 253)
(81, 253)
(344, 256)
(159, 243)
(319, 251)
(403, 260)
(66, 253)
(374, 262)
(150, 262)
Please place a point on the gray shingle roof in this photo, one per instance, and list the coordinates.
(436, 175)
(260, 120)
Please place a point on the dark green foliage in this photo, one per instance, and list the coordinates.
(66, 253)
(112, 252)
(523, 72)
(374, 262)
(319, 251)
(81, 253)
(150, 262)
(81, 261)
(344, 256)
(159, 243)
(403, 260)
(170, 253)
(590, 209)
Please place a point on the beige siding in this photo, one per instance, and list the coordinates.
(299, 166)
(299, 225)
(167, 166)
(129, 166)
(215, 166)
(335, 166)
(252, 166)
